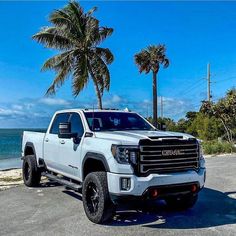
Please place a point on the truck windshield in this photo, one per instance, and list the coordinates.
(113, 121)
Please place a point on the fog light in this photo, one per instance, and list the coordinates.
(154, 193)
(194, 188)
(125, 184)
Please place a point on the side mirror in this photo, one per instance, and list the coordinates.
(65, 131)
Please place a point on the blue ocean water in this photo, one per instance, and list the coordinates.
(10, 147)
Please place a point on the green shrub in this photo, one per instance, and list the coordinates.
(215, 147)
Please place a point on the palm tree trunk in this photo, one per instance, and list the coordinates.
(97, 90)
(154, 91)
(98, 93)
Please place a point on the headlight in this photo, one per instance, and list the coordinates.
(201, 157)
(125, 154)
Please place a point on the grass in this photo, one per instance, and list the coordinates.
(215, 147)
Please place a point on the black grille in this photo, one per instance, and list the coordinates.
(168, 155)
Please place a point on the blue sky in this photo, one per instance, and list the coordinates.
(194, 33)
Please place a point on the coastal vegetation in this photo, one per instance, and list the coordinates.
(214, 124)
(77, 36)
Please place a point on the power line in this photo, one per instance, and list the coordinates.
(189, 88)
(222, 80)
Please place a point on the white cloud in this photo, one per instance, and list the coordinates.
(17, 107)
(116, 99)
(54, 101)
(10, 112)
(38, 112)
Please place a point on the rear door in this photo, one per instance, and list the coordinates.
(70, 150)
(52, 143)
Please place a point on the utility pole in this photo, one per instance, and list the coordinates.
(162, 108)
(208, 83)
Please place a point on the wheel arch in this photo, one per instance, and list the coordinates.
(29, 149)
(94, 158)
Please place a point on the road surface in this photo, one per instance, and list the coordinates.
(53, 210)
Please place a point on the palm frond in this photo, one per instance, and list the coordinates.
(102, 34)
(80, 76)
(53, 62)
(100, 71)
(91, 11)
(59, 80)
(51, 37)
(151, 58)
(105, 54)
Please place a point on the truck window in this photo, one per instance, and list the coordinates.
(113, 121)
(76, 124)
(60, 118)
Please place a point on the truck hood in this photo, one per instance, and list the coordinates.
(133, 137)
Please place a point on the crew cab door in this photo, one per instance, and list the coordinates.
(70, 149)
(52, 144)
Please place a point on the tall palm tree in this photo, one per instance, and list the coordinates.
(150, 59)
(77, 35)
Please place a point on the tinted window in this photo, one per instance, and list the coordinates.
(76, 124)
(60, 118)
(102, 121)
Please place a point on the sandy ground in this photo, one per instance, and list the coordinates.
(10, 178)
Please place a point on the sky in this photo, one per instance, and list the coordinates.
(194, 33)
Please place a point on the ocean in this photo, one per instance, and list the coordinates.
(10, 147)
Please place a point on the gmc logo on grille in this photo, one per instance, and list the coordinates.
(175, 152)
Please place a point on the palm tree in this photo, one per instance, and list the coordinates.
(77, 35)
(150, 59)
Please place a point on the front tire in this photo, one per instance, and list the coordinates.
(96, 200)
(31, 174)
(182, 202)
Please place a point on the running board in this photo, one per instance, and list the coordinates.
(67, 183)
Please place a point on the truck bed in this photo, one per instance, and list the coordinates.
(36, 138)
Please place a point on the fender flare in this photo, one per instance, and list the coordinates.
(95, 156)
(31, 145)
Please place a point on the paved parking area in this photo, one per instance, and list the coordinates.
(53, 210)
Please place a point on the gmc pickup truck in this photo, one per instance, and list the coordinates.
(111, 156)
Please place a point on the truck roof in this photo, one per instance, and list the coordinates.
(92, 110)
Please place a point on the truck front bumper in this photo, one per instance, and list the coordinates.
(139, 185)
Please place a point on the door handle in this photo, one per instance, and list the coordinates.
(62, 141)
(46, 140)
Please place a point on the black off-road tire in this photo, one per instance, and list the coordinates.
(96, 199)
(31, 174)
(182, 203)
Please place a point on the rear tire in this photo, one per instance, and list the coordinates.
(183, 202)
(96, 199)
(31, 174)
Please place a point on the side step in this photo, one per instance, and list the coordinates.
(60, 180)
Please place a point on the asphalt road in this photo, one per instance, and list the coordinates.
(53, 210)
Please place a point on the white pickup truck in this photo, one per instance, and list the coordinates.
(113, 155)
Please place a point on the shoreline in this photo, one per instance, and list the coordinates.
(10, 163)
(10, 178)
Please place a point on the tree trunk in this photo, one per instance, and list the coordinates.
(154, 91)
(97, 90)
(98, 93)
(226, 130)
